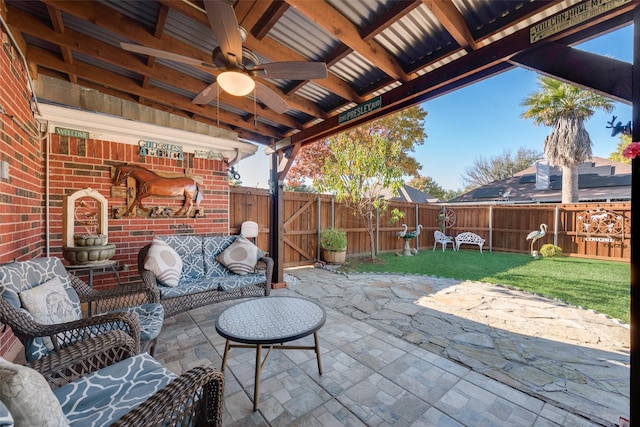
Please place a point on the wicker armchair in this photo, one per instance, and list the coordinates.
(100, 309)
(193, 398)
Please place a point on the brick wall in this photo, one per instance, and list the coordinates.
(21, 202)
(76, 164)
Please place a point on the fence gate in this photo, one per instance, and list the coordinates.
(300, 229)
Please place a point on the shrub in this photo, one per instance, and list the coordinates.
(333, 239)
(550, 251)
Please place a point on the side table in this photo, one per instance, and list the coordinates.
(95, 268)
(264, 322)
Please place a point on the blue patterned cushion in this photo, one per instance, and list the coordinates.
(21, 276)
(190, 250)
(6, 420)
(213, 246)
(235, 281)
(102, 397)
(151, 317)
(188, 286)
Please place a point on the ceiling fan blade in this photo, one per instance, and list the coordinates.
(291, 70)
(166, 55)
(271, 99)
(207, 95)
(224, 25)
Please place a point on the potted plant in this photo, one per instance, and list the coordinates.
(333, 243)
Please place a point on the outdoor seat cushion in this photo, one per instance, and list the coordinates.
(232, 282)
(102, 397)
(151, 316)
(227, 282)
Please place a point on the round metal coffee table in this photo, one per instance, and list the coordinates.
(268, 321)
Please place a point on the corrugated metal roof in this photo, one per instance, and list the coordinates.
(303, 36)
(359, 71)
(416, 38)
(417, 41)
(96, 62)
(361, 12)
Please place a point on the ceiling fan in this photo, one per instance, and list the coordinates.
(239, 65)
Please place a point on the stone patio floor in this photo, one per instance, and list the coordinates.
(420, 351)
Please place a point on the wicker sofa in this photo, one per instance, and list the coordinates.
(203, 279)
(102, 381)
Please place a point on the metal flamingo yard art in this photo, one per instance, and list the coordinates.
(535, 235)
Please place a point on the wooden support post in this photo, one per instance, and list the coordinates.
(276, 232)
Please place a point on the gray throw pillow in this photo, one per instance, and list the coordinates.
(241, 256)
(28, 397)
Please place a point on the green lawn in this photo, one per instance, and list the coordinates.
(599, 285)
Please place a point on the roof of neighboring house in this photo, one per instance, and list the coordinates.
(409, 194)
(598, 180)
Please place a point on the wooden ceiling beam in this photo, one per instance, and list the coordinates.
(116, 56)
(106, 78)
(268, 19)
(384, 21)
(476, 65)
(118, 23)
(55, 16)
(161, 21)
(276, 52)
(453, 21)
(325, 16)
(607, 76)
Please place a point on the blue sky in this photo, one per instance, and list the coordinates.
(482, 120)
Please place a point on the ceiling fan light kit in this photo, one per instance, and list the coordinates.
(236, 83)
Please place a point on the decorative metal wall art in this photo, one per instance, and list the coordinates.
(601, 225)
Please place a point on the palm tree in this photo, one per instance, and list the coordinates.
(565, 108)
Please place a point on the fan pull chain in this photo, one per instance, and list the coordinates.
(255, 109)
(218, 105)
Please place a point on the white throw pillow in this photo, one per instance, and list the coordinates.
(164, 262)
(241, 256)
(28, 397)
(49, 303)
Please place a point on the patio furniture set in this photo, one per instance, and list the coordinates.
(90, 352)
(466, 238)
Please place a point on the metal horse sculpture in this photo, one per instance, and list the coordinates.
(148, 183)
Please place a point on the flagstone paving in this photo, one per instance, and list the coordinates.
(416, 350)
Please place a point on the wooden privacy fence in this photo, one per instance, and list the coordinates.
(599, 231)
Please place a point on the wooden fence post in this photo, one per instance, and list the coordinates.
(319, 202)
(490, 228)
(556, 224)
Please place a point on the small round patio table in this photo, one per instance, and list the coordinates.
(269, 321)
